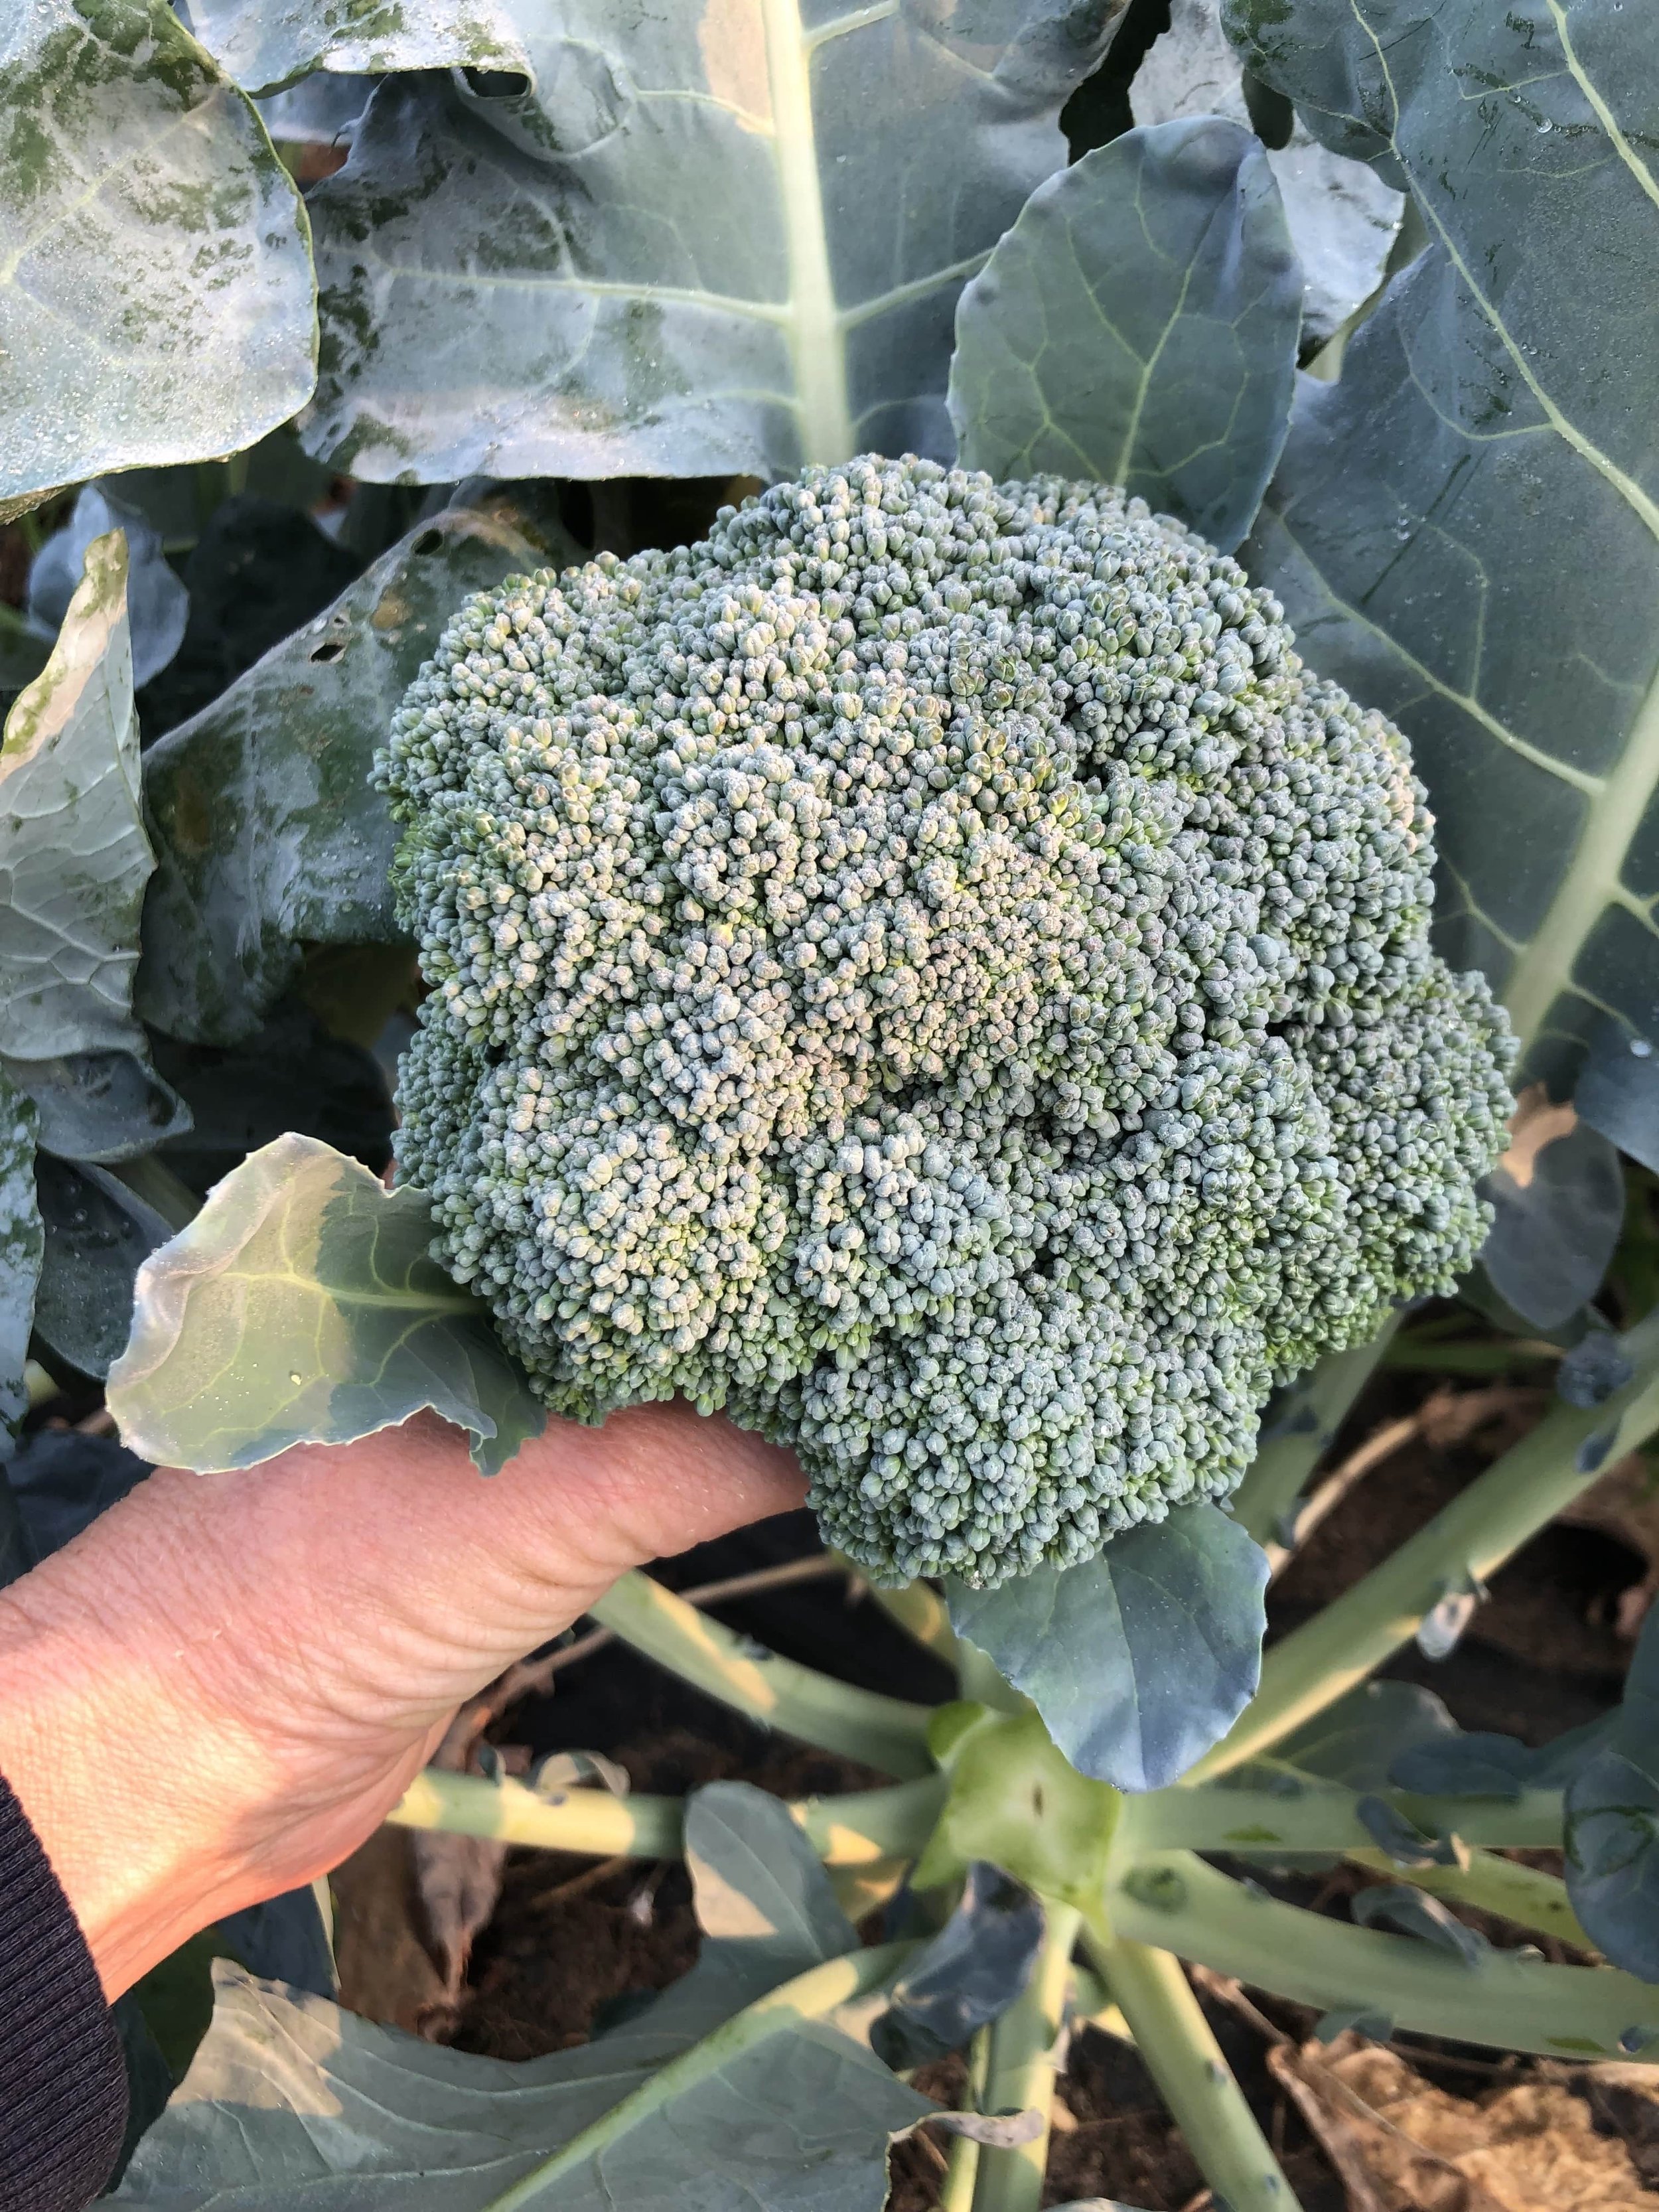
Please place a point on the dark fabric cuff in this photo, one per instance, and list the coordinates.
(63, 2081)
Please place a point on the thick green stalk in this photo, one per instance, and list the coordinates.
(956, 2192)
(1021, 2075)
(1515, 2002)
(809, 1997)
(884, 1732)
(858, 1830)
(921, 1612)
(1194, 2079)
(1324, 1818)
(1470, 1540)
(1524, 1895)
(1305, 1428)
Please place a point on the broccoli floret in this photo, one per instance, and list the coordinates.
(927, 969)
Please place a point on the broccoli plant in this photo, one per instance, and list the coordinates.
(1110, 862)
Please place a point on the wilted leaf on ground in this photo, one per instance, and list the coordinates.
(1343, 219)
(1142, 1657)
(1421, 526)
(155, 292)
(783, 2113)
(300, 1306)
(1137, 326)
(267, 833)
(711, 238)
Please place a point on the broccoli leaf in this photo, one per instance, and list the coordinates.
(727, 2089)
(1142, 1657)
(98, 1235)
(73, 853)
(1465, 527)
(707, 239)
(158, 604)
(300, 1306)
(1139, 325)
(1557, 1198)
(1343, 219)
(267, 831)
(155, 293)
(1612, 1822)
(22, 1240)
(74, 859)
(969, 1973)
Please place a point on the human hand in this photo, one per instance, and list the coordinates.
(223, 1686)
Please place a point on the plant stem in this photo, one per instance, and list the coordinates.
(961, 2165)
(1324, 1818)
(1470, 1538)
(858, 1830)
(1512, 2002)
(922, 1613)
(1524, 1895)
(884, 1732)
(809, 1997)
(1194, 2079)
(1303, 1430)
(1023, 2066)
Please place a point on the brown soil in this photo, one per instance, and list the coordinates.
(569, 1939)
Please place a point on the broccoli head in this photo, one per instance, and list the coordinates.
(928, 969)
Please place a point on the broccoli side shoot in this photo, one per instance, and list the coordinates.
(929, 971)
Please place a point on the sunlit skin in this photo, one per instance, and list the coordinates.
(223, 1686)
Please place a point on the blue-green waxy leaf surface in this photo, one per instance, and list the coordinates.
(156, 298)
(1142, 1657)
(1139, 325)
(1557, 1197)
(1612, 1823)
(771, 2104)
(22, 1240)
(74, 863)
(99, 1233)
(268, 836)
(300, 1306)
(1342, 217)
(726, 236)
(1465, 526)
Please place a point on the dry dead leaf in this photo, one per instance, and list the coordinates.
(1401, 2145)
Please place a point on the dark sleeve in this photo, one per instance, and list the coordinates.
(62, 2081)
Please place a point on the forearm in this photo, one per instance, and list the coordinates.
(140, 1794)
(219, 1689)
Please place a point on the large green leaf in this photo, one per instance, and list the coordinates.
(1343, 219)
(1140, 1658)
(300, 1306)
(729, 2090)
(267, 833)
(74, 857)
(74, 862)
(1139, 325)
(725, 235)
(22, 1240)
(1465, 528)
(155, 292)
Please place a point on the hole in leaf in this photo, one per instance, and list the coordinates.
(497, 84)
(329, 649)
(429, 540)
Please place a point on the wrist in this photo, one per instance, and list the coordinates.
(138, 1788)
